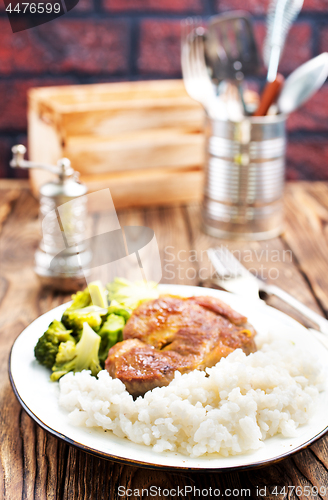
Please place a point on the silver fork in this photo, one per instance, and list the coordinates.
(234, 277)
(194, 71)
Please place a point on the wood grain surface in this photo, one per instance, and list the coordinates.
(34, 465)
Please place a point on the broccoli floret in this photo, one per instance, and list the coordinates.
(91, 315)
(129, 294)
(110, 333)
(81, 299)
(84, 310)
(98, 294)
(47, 346)
(82, 356)
(115, 308)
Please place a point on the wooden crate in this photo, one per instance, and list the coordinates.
(143, 140)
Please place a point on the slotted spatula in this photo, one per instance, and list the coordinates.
(230, 47)
(230, 50)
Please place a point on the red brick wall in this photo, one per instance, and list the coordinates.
(113, 40)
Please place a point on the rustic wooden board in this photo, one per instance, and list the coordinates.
(140, 188)
(35, 465)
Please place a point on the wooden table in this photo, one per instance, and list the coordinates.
(35, 465)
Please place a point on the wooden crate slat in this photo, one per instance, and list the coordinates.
(153, 149)
(149, 128)
(139, 188)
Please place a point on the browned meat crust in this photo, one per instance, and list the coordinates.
(174, 333)
(142, 367)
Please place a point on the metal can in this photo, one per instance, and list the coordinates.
(244, 178)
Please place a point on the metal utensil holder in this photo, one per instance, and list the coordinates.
(244, 178)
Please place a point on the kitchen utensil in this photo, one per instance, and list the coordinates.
(280, 17)
(195, 76)
(230, 97)
(230, 49)
(234, 277)
(269, 95)
(303, 83)
(244, 178)
(55, 268)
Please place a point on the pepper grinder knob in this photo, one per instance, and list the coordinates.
(65, 169)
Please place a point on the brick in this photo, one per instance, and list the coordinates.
(5, 154)
(21, 174)
(307, 159)
(260, 7)
(83, 46)
(13, 107)
(160, 47)
(324, 40)
(154, 5)
(298, 45)
(313, 115)
(257, 7)
(84, 6)
(315, 5)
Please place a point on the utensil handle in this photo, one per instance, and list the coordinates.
(321, 322)
(269, 95)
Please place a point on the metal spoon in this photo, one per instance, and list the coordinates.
(303, 83)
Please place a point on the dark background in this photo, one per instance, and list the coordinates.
(117, 40)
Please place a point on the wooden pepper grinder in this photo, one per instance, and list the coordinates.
(63, 215)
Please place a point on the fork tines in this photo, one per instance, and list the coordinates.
(195, 75)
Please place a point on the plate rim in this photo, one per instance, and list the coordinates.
(149, 465)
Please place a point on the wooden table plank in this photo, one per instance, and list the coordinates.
(35, 465)
(306, 234)
(7, 200)
(19, 184)
(173, 238)
(22, 301)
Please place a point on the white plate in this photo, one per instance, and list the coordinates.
(39, 396)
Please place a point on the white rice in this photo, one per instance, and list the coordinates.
(242, 401)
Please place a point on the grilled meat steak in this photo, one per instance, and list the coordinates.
(142, 367)
(175, 333)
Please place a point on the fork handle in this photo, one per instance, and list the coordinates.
(321, 322)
